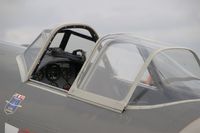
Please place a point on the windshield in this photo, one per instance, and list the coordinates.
(174, 76)
(32, 52)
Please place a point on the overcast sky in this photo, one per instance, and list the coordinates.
(173, 21)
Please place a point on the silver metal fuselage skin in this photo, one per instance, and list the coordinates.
(46, 112)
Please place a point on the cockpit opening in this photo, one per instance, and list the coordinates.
(65, 56)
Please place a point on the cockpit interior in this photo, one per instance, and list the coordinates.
(65, 56)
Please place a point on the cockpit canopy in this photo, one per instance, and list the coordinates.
(117, 71)
(139, 72)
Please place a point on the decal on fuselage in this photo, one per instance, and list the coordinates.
(14, 103)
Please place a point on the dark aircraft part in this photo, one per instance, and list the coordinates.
(69, 74)
(74, 57)
(79, 52)
(60, 68)
(53, 72)
(60, 74)
(72, 66)
(38, 75)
